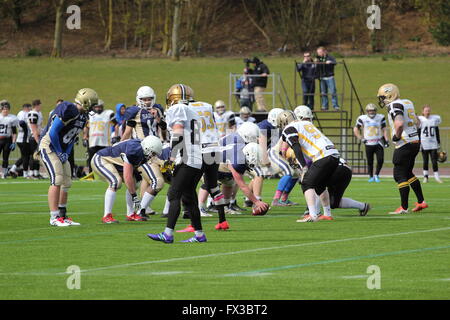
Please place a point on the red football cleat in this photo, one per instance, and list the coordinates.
(399, 210)
(189, 228)
(420, 206)
(222, 226)
(109, 219)
(326, 218)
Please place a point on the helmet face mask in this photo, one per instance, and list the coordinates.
(252, 154)
(245, 113)
(179, 93)
(272, 116)
(99, 107)
(151, 146)
(284, 119)
(145, 97)
(86, 98)
(371, 110)
(387, 93)
(219, 107)
(249, 132)
(303, 112)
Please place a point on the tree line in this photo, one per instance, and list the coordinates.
(175, 26)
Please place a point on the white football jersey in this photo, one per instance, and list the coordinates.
(209, 133)
(222, 122)
(100, 128)
(181, 114)
(314, 144)
(404, 108)
(22, 136)
(6, 124)
(428, 135)
(372, 127)
(35, 117)
(239, 121)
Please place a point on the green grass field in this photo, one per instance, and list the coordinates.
(269, 257)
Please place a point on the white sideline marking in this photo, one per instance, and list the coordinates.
(259, 249)
(359, 276)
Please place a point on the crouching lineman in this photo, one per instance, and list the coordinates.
(118, 163)
(66, 122)
(405, 137)
(307, 141)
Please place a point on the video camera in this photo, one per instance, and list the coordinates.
(247, 62)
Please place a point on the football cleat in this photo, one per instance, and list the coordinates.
(308, 218)
(202, 238)
(288, 203)
(136, 217)
(366, 209)
(164, 237)
(149, 212)
(399, 210)
(231, 211)
(425, 179)
(165, 215)
(58, 222)
(71, 222)
(420, 206)
(234, 206)
(326, 218)
(438, 180)
(222, 226)
(13, 174)
(372, 179)
(212, 208)
(377, 179)
(145, 215)
(203, 213)
(277, 203)
(189, 228)
(109, 219)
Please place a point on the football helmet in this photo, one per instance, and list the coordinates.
(151, 145)
(249, 132)
(99, 107)
(387, 93)
(272, 116)
(371, 110)
(145, 92)
(87, 98)
(179, 93)
(442, 156)
(4, 104)
(253, 154)
(303, 112)
(219, 107)
(285, 118)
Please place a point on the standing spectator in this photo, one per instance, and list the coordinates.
(8, 134)
(308, 72)
(120, 117)
(97, 130)
(22, 141)
(325, 70)
(35, 120)
(261, 71)
(244, 87)
(429, 141)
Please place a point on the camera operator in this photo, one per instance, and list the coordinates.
(308, 73)
(244, 87)
(325, 68)
(260, 70)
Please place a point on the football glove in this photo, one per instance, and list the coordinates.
(63, 157)
(136, 202)
(114, 140)
(12, 146)
(85, 143)
(395, 138)
(364, 141)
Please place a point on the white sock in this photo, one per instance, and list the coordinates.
(54, 214)
(36, 173)
(5, 170)
(168, 231)
(425, 173)
(110, 197)
(146, 200)
(30, 173)
(327, 211)
(318, 205)
(199, 233)
(436, 175)
(14, 167)
(25, 174)
(129, 201)
(350, 203)
(166, 206)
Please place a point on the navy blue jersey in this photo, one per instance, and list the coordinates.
(141, 120)
(267, 129)
(165, 154)
(63, 127)
(128, 150)
(233, 154)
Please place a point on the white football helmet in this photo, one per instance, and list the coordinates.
(219, 107)
(145, 92)
(151, 145)
(253, 154)
(303, 112)
(272, 116)
(249, 132)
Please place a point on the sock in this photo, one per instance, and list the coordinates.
(199, 233)
(284, 196)
(318, 205)
(35, 173)
(327, 211)
(110, 197)
(25, 174)
(166, 206)
(168, 231)
(146, 200)
(5, 170)
(403, 188)
(436, 175)
(54, 214)
(277, 195)
(30, 173)
(62, 210)
(129, 201)
(425, 173)
(414, 183)
(221, 211)
(350, 203)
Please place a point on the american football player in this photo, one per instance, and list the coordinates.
(225, 120)
(245, 115)
(67, 120)
(375, 138)
(430, 141)
(405, 137)
(117, 163)
(22, 142)
(8, 134)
